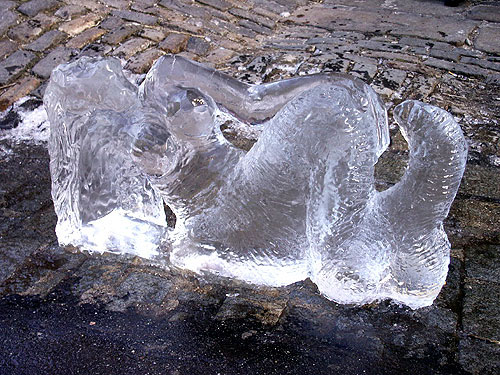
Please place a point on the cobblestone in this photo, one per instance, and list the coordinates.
(131, 47)
(85, 38)
(33, 7)
(487, 40)
(31, 28)
(6, 48)
(47, 40)
(141, 18)
(174, 43)
(15, 64)
(142, 62)
(58, 56)
(7, 19)
(120, 34)
(80, 24)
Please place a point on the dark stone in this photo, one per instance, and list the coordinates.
(119, 35)
(33, 7)
(254, 27)
(479, 356)
(15, 63)
(10, 120)
(46, 40)
(218, 4)
(481, 311)
(482, 262)
(58, 56)
(197, 45)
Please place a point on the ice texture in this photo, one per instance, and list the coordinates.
(300, 203)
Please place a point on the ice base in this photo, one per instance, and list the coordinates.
(301, 203)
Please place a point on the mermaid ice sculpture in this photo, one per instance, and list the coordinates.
(301, 203)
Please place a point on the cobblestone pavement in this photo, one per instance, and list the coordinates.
(63, 311)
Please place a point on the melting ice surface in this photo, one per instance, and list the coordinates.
(301, 203)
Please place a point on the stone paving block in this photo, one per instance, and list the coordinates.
(58, 56)
(118, 4)
(156, 34)
(86, 37)
(481, 311)
(96, 49)
(15, 64)
(389, 81)
(6, 48)
(31, 28)
(142, 62)
(80, 24)
(273, 6)
(22, 88)
(131, 47)
(481, 62)
(92, 5)
(33, 7)
(459, 68)
(382, 21)
(198, 46)
(7, 19)
(120, 34)
(485, 12)
(218, 4)
(145, 6)
(254, 27)
(140, 18)
(488, 39)
(174, 43)
(363, 67)
(184, 8)
(219, 56)
(252, 17)
(7, 4)
(67, 12)
(46, 40)
(111, 23)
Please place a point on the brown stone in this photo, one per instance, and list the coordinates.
(22, 88)
(174, 43)
(142, 62)
(80, 24)
(86, 37)
(131, 47)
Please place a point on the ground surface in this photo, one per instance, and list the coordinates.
(65, 312)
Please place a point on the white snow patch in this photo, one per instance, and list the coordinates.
(33, 127)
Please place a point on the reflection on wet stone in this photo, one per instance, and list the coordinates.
(301, 202)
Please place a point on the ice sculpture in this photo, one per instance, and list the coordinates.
(301, 203)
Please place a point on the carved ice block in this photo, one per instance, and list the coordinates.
(301, 203)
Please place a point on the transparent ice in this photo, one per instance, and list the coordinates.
(301, 203)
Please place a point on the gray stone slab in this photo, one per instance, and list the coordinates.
(6, 48)
(16, 63)
(33, 7)
(46, 40)
(487, 64)
(252, 17)
(7, 19)
(58, 56)
(198, 46)
(485, 12)
(184, 8)
(488, 39)
(142, 18)
(218, 4)
(385, 21)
